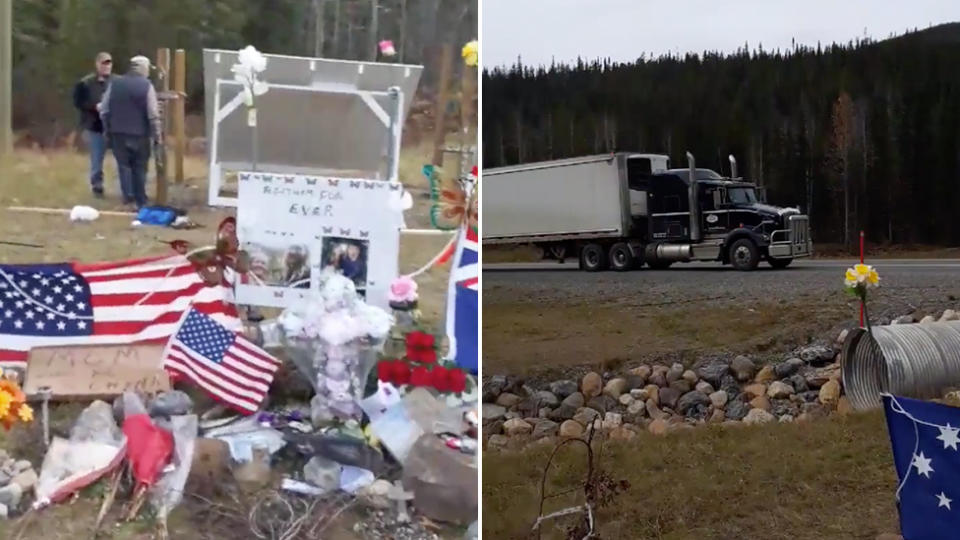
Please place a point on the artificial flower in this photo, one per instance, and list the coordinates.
(386, 48)
(420, 376)
(403, 289)
(457, 381)
(470, 53)
(438, 378)
(25, 413)
(5, 401)
(420, 348)
(861, 274)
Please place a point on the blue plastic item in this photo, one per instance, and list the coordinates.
(157, 215)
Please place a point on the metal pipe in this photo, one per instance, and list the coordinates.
(694, 202)
(912, 360)
(733, 166)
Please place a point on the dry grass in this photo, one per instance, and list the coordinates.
(546, 337)
(832, 479)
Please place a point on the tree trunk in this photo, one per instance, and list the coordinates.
(403, 31)
(373, 29)
(846, 207)
(336, 28)
(319, 9)
(519, 130)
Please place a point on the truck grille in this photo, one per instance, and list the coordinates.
(800, 233)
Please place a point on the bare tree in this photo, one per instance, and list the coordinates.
(319, 11)
(373, 29)
(841, 141)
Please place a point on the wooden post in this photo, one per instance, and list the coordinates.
(468, 88)
(6, 70)
(179, 112)
(443, 85)
(160, 156)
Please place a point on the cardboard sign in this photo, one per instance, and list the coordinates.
(88, 372)
(294, 227)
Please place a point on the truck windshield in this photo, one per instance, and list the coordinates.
(742, 195)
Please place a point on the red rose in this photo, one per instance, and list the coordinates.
(438, 378)
(385, 370)
(420, 348)
(400, 372)
(457, 380)
(420, 376)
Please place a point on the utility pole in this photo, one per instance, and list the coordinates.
(6, 78)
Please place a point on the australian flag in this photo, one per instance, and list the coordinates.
(926, 453)
(463, 306)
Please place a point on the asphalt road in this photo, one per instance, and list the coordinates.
(799, 265)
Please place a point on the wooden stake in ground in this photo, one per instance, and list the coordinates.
(108, 498)
(6, 68)
(160, 154)
(443, 85)
(179, 113)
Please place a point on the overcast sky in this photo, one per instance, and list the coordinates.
(538, 30)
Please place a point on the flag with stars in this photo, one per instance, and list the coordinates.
(926, 454)
(53, 305)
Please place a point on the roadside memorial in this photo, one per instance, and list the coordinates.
(95, 371)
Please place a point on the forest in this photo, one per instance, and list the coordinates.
(55, 41)
(864, 135)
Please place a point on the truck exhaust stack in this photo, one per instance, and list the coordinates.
(733, 167)
(694, 203)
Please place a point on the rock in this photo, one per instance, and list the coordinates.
(730, 385)
(642, 371)
(830, 393)
(669, 397)
(615, 387)
(816, 378)
(376, 494)
(949, 315)
(626, 400)
(658, 379)
(904, 319)
(172, 403)
(637, 408)
(843, 335)
(743, 368)
(788, 368)
(928, 319)
(658, 427)
(495, 427)
(612, 420)
(760, 402)
(544, 412)
(654, 411)
(26, 480)
(515, 427)
(737, 409)
(498, 441)
(691, 400)
(718, 399)
(585, 417)
(653, 392)
(575, 399)
(545, 428)
(492, 412)
(844, 406)
(675, 372)
(659, 369)
(563, 388)
(563, 412)
(713, 371)
(814, 411)
(755, 390)
(4, 512)
(817, 354)
(508, 400)
(96, 423)
(717, 416)
(622, 434)
(690, 377)
(10, 495)
(705, 387)
(799, 383)
(681, 385)
(602, 403)
(546, 399)
(635, 381)
(786, 419)
(22, 465)
(758, 416)
(779, 390)
(492, 387)
(765, 375)
(591, 385)
(571, 429)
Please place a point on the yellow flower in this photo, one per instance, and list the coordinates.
(470, 52)
(5, 400)
(861, 274)
(25, 413)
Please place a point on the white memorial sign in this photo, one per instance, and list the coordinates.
(295, 226)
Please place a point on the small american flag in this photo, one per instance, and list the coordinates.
(53, 305)
(227, 365)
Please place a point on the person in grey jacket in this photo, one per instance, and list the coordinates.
(131, 118)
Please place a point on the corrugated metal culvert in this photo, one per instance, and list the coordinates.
(912, 360)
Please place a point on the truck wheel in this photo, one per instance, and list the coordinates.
(779, 264)
(592, 258)
(621, 258)
(744, 255)
(659, 265)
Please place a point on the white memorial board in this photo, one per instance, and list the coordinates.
(295, 226)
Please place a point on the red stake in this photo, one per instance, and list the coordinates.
(861, 262)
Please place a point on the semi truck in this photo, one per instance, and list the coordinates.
(625, 210)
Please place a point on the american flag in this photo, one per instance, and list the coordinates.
(227, 365)
(463, 302)
(49, 305)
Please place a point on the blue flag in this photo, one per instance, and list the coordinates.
(926, 453)
(463, 304)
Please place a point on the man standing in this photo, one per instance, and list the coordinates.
(131, 117)
(86, 98)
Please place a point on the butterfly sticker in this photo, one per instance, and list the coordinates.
(454, 200)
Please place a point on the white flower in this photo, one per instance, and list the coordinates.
(250, 64)
(252, 58)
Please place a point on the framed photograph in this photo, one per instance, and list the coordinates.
(347, 257)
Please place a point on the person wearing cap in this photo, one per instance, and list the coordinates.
(86, 98)
(131, 117)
